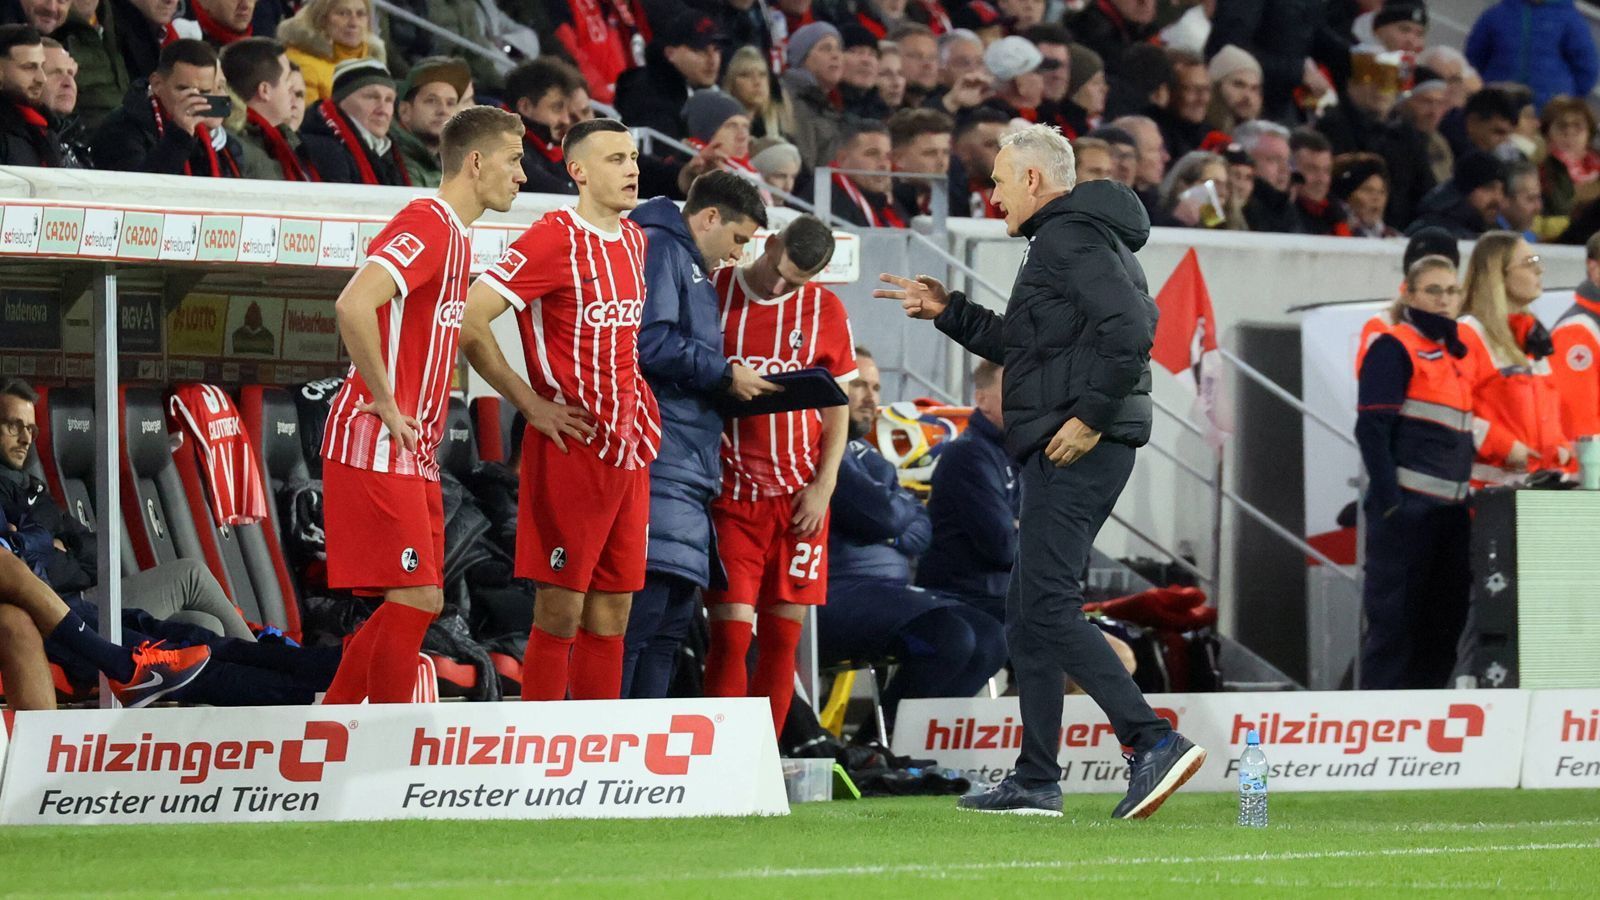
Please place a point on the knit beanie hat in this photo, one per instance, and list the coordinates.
(1230, 60)
(354, 74)
(1085, 65)
(707, 110)
(805, 39)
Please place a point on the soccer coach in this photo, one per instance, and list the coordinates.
(1075, 342)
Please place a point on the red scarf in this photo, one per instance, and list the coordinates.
(548, 149)
(203, 135)
(356, 147)
(982, 200)
(278, 148)
(885, 217)
(36, 119)
(216, 32)
(169, 34)
(873, 25)
(1582, 170)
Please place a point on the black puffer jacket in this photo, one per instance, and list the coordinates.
(1075, 338)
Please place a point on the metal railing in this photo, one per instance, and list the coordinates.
(938, 200)
(502, 61)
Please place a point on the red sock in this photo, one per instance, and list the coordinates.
(350, 681)
(544, 666)
(726, 671)
(775, 644)
(596, 666)
(392, 671)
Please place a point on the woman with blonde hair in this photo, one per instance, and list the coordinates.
(1185, 206)
(1515, 398)
(1414, 428)
(749, 81)
(325, 33)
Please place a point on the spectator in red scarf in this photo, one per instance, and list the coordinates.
(27, 137)
(257, 70)
(919, 60)
(1183, 119)
(714, 119)
(1014, 62)
(919, 141)
(972, 151)
(1311, 156)
(540, 92)
(222, 22)
(347, 135)
(815, 55)
(143, 28)
(891, 76)
(605, 37)
(428, 97)
(166, 126)
(684, 58)
(1570, 176)
(863, 199)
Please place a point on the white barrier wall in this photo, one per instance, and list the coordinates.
(612, 759)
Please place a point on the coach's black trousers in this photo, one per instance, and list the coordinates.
(1062, 511)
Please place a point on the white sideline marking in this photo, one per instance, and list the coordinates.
(951, 870)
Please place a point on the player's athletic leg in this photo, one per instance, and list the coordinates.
(557, 615)
(384, 533)
(23, 666)
(597, 653)
(796, 578)
(749, 535)
(777, 638)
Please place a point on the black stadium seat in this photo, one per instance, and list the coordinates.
(458, 451)
(274, 426)
(66, 457)
(251, 566)
(154, 501)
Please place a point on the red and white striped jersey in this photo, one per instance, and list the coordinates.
(579, 292)
(425, 249)
(776, 455)
(208, 416)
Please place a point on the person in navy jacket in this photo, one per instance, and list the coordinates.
(680, 351)
(944, 648)
(974, 506)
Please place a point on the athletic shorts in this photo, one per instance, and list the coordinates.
(383, 531)
(765, 561)
(582, 523)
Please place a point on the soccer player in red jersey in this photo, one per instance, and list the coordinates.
(778, 471)
(401, 318)
(576, 279)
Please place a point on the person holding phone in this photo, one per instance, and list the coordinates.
(172, 125)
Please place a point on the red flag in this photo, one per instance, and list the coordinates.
(1187, 328)
(1186, 339)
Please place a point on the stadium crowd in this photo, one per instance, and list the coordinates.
(1329, 117)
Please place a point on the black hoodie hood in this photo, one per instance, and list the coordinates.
(1109, 207)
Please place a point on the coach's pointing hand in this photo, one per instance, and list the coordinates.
(553, 419)
(747, 385)
(402, 428)
(922, 298)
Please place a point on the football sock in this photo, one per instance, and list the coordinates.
(726, 672)
(392, 668)
(349, 683)
(774, 679)
(544, 666)
(596, 666)
(116, 662)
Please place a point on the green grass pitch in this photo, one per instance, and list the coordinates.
(1433, 844)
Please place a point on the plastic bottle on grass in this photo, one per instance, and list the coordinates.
(1253, 783)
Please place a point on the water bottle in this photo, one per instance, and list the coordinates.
(1253, 783)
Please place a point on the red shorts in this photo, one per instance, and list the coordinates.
(765, 561)
(582, 524)
(383, 531)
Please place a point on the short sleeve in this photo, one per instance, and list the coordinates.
(838, 342)
(535, 264)
(403, 249)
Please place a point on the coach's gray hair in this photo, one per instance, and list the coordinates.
(1249, 134)
(1045, 148)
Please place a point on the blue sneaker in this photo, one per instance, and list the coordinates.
(1010, 797)
(1156, 773)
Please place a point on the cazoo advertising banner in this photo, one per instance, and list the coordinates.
(613, 759)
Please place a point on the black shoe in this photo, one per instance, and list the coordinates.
(1158, 772)
(1010, 797)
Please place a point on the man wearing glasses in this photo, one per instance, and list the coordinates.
(182, 590)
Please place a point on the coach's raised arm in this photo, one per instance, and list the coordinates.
(1075, 342)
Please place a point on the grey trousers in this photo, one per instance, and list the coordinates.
(184, 590)
(1062, 511)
